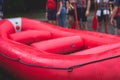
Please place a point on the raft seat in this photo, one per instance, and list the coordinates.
(60, 45)
(30, 36)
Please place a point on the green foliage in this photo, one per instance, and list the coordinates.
(14, 6)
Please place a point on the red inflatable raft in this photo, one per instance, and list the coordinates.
(35, 50)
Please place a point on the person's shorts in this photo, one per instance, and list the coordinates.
(51, 14)
(71, 12)
(118, 22)
(81, 14)
(103, 17)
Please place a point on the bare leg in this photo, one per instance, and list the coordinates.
(78, 25)
(50, 21)
(115, 29)
(54, 22)
(118, 31)
(71, 20)
(85, 25)
(99, 26)
(106, 27)
(67, 21)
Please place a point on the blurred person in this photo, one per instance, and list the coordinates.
(51, 8)
(111, 3)
(102, 13)
(70, 15)
(1, 9)
(83, 8)
(116, 14)
(61, 12)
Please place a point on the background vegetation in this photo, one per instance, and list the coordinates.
(13, 8)
(27, 8)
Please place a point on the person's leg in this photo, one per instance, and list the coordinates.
(100, 19)
(118, 31)
(115, 31)
(99, 26)
(54, 17)
(54, 22)
(77, 25)
(106, 23)
(84, 19)
(50, 16)
(115, 26)
(118, 25)
(63, 17)
(1, 15)
(59, 20)
(1, 12)
(67, 20)
(85, 26)
(49, 21)
(106, 27)
(70, 18)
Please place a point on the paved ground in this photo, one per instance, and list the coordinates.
(90, 17)
(110, 27)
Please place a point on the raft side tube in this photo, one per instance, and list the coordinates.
(60, 45)
(30, 36)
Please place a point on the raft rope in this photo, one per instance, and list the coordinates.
(69, 69)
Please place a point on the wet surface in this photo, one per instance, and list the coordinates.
(110, 27)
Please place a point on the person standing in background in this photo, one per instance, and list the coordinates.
(83, 8)
(1, 9)
(116, 13)
(102, 13)
(61, 12)
(51, 8)
(70, 15)
(111, 3)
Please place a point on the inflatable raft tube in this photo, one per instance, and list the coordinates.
(26, 59)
